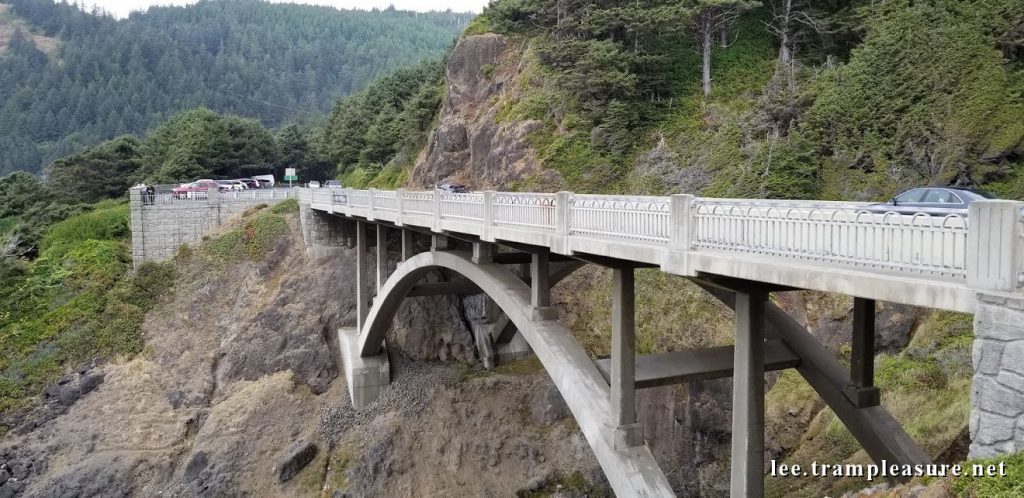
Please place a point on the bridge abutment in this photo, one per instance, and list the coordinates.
(997, 392)
(323, 234)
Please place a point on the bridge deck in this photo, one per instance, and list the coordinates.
(938, 262)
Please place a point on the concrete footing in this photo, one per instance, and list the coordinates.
(366, 377)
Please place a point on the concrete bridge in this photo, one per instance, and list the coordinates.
(515, 246)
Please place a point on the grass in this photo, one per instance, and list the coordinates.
(672, 314)
(78, 300)
(926, 388)
(250, 241)
(1009, 486)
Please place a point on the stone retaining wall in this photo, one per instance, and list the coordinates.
(159, 230)
(997, 393)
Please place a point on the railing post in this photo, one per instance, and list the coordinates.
(995, 246)
(348, 201)
(488, 216)
(437, 211)
(398, 206)
(563, 215)
(681, 221)
(370, 196)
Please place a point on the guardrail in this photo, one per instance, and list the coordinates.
(842, 234)
(167, 198)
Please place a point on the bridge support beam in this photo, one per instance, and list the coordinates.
(382, 256)
(408, 244)
(861, 390)
(440, 242)
(627, 432)
(747, 477)
(540, 286)
(362, 267)
(483, 253)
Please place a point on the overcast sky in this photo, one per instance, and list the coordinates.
(121, 8)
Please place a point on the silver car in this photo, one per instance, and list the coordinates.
(936, 201)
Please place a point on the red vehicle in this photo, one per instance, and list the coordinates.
(196, 189)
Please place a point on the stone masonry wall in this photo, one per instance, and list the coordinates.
(997, 393)
(159, 230)
(324, 235)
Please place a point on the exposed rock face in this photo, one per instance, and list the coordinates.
(469, 145)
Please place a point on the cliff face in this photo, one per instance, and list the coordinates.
(469, 144)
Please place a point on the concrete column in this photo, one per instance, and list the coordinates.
(382, 256)
(488, 216)
(483, 253)
(563, 216)
(995, 245)
(748, 397)
(540, 287)
(997, 390)
(628, 432)
(399, 205)
(680, 238)
(362, 290)
(407, 244)
(440, 242)
(861, 390)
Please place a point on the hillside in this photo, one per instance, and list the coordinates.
(70, 79)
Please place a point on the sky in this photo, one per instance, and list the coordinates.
(121, 8)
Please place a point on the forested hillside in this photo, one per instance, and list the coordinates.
(835, 99)
(98, 77)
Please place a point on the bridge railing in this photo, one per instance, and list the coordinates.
(920, 243)
(636, 218)
(985, 249)
(469, 207)
(524, 210)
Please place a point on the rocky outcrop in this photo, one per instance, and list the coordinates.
(469, 145)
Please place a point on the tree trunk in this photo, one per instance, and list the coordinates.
(786, 43)
(706, 46)
(785, 51)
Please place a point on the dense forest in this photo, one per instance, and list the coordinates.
(103, 77)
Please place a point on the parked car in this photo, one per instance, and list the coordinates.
(228, 185)
(313, 184)
(936, 201)
(453, 188)
(250, 182)
(332, 184)
(264, 183)
(194, 190)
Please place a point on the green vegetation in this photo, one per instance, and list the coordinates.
(252, 240)
(76, 301)
(1008, 486)
(273, 62)
(575, 484)
(374, 136)
(926, 388)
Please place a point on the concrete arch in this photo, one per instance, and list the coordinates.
(632, 471)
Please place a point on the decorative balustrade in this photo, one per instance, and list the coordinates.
(461, 206)
(418, 203)
(385, 200)
(524, 210)
(820, 233)
(642, 219)
(919, 244)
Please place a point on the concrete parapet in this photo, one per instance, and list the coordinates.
(366, 377)
(997, 392)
